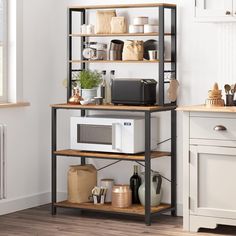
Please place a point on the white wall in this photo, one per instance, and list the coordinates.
(28, 129)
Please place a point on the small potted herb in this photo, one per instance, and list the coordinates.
(88, 81)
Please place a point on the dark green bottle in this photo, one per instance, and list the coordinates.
(135, 182)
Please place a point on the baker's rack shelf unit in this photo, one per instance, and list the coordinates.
(147, 212)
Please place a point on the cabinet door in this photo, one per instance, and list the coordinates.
(213, 8)
(212, 181)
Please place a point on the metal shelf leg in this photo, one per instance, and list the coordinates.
(173, 162)
(147, 168)
(54, 160)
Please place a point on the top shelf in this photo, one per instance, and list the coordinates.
(120, 35)
(167, 5)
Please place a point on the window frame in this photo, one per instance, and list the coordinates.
(4, 96)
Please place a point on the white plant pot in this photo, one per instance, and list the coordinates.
(88, 94)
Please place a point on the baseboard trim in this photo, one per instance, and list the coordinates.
(179, 209)
(8, 206)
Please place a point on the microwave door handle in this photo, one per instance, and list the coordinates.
(114, 136)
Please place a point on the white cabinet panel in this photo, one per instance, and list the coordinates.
(213, 128)
(234, 8)
(212, 10)
(212, 175)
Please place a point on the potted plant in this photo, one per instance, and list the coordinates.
(88, 81)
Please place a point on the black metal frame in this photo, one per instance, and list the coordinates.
(147, 160)
(147, 113)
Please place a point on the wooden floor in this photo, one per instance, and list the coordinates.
(38, 221)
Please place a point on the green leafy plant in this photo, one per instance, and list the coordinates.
(88, 79)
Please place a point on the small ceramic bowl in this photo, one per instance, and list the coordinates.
(85, 102)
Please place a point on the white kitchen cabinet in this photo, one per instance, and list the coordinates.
(215, 11)
(212, 172)
(209, 167)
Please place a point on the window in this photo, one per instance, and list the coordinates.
(3, 57)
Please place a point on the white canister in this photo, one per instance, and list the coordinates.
(135, 29)
(108, 183)
(83, 29)
(141, 20)
(90, 29)
(151, 28)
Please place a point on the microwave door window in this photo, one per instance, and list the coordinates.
(94, 134)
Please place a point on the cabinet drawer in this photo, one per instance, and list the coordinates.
(213, 128)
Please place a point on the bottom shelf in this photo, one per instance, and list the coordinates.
(134, 209)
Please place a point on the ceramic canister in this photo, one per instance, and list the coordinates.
(108, 183)
(141, 20)
(90, 29)
(151, 28)
(135, 29)
(83, 29)
(121, 196)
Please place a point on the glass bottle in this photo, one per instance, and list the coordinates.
(108, 86)
(135, 182)
(103, 87)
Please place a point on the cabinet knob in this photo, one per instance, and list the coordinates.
(227, 13)
(220, 128)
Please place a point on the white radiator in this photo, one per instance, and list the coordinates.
(2, 161)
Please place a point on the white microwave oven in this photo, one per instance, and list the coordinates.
(111, 134)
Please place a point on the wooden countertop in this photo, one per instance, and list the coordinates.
(203, 108)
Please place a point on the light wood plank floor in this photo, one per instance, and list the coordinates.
(38, 221)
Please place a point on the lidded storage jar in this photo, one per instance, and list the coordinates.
(121, 196)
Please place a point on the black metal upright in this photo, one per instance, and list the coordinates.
(173, 114)
(54, 160)
(161, 88)
(69, 52)
(147, 168)
(173, 41)
(83, 38)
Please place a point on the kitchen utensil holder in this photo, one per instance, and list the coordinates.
(229, 100)
(98, 199)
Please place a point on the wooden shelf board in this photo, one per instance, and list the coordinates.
(108, 61)
(105, 155)
(115, 107)
(112, 35)
(123, 6)
(134, 209)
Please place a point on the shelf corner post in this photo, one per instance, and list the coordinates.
(174, 42)
(173, 162)
(54, 159)
(147, 168)
(161, 95)
(69, 51)
(83, 38)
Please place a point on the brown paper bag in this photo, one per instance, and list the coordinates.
(81, 181)
(133, 50)
(118, 25)
(103, 21)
